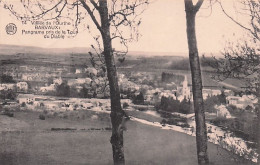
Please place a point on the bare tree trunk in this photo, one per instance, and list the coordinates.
(258, 115)
(117, 113)
(258, 122)
(201, 130)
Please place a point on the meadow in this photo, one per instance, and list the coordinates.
(84, 139)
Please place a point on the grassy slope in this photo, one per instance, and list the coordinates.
(143, 144)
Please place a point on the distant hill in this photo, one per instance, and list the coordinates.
(15, 49)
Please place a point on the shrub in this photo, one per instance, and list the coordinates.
(139, 99)
(185, 107)
(163, 121)
(125, 105)
(6, 79)
(63, 90)
(65, 116)
(42, 117)
(55, 114)
(23, 104)
(9, 114)
(45, 111)
(169, 104)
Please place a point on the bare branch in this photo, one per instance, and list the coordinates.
(92, 15)
(95, 4)
(253, 32)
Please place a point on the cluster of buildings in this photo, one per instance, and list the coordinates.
(38, 102)
(34, 102)
(33, 72)
(243, 101)
(19, 86)
(43, 79)
(152, 95)
(96, 82)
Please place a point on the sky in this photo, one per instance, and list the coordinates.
(163, 29)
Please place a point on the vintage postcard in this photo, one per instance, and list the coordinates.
(149, 82)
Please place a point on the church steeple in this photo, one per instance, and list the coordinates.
(185, 88)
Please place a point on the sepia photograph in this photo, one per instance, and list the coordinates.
(129, 82)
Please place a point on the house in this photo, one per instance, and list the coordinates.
(232, 100)
(168, 93)
(7, 86)
(241, 102)
(79, 70)
(88, 81)
(79, 81)
(216, 92)
(206, 93)
(210, 92)
(51, 105)
(26, 98)
(228, 92)
(22, 86)
(52, 87)
(223, 112)
(79, 88)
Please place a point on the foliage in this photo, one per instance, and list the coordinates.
(139, 99)
(23, 104)
(63, 90)
(169, 104)
(185, 106)
(241, 58)
(8, 94)
(210, 102)
(244, 124)
(50, 81)
(8, 113)
(6, 79)
(125, 105)
(42, 117)
(84, 93)
(241, 127)
(73, 92)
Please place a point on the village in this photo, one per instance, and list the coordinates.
(37, 85)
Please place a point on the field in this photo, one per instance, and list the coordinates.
(25, 139)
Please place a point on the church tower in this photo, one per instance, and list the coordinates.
(185, 88)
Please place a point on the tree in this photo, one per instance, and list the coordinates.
(241, 59)
(84, 92)
(185, 106)
(8, 94)
(139, 99)
(63, 90)
(106, 16)
(168, 104)
(201, 129)
(6, 79)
